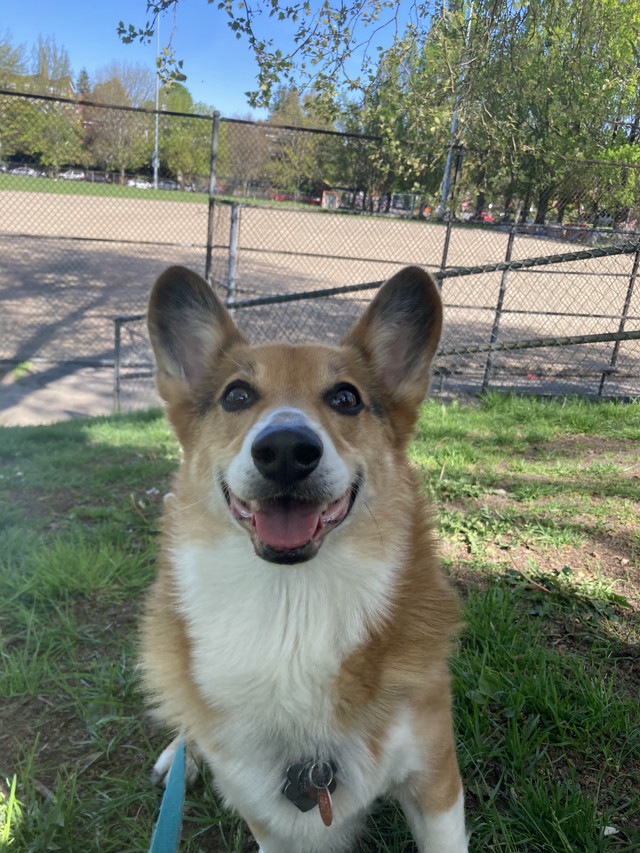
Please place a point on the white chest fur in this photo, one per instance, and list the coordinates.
(268, 639)
(267, 644)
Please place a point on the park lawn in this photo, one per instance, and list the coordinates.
(27, 183)
(537, 505)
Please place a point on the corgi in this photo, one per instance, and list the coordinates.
(299, 626)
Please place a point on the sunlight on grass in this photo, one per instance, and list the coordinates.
(10, 812)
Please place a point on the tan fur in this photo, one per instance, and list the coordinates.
(166, 669)
(413, 643)
(436, 791)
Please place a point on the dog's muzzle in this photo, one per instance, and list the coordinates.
(289, 520)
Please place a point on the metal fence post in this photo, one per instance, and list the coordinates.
(212, 190)
(496, 320)
(116, 364)
(233, 252)
(623, 320)
(447, 236)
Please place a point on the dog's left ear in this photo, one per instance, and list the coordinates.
(398, 335)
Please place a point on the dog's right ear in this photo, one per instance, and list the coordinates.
(187, 325)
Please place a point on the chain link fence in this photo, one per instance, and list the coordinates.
(295, 229)
(491, 309)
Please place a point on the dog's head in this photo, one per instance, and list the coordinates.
(289, 442)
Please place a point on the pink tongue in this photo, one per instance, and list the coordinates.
(286, 525)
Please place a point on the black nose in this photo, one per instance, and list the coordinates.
(286, 454)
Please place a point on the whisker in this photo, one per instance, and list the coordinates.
(184, 507)
(375, 521)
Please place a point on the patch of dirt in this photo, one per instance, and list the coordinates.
(596, 562)
(46, 725)
(37, 725)
(592, 449)
(610, 554)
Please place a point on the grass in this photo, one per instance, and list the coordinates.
(537, 505)
(26, 183)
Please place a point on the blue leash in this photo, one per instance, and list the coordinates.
(166, 835)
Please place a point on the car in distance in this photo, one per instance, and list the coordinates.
(72, 175)
(140, 183)
(26, 170)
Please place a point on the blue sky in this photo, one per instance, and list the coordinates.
(219, 67)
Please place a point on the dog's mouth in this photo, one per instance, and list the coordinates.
(287, 530)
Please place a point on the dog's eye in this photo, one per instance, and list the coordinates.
(345, 398)
(238, 396)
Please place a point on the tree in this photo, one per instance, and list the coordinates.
(298, 162)
(526, 85)
(563, 101)
(137, 82)
(17, 118)
(531, 86)
(249, 155)
(48, 132)
(324, 39)
(119, 140)
(12, 62)
(83, 86)
(14, 114)
(184, 143)
(51, 69)
(56, 139)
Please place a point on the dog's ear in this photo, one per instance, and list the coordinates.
(398, 335)
(187, 325)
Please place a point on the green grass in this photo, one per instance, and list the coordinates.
(26, 183)
(548, 741)
(537, 504)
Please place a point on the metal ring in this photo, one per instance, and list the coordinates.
(320, 774)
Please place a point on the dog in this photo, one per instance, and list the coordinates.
(299, 626)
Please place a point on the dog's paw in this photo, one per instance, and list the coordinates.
(162, 766)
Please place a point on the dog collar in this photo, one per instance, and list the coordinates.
(311, 783)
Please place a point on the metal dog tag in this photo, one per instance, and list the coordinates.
(295, 787)
(325, 807)
(311, 783)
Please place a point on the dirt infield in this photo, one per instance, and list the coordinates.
(48, 393)
(90, 217)
(70, 264)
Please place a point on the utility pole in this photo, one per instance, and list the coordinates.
(156, 159)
